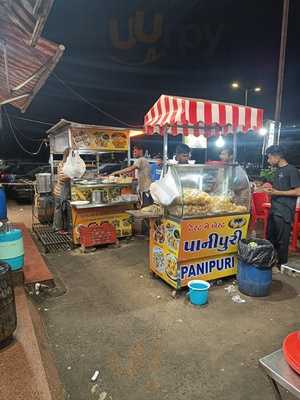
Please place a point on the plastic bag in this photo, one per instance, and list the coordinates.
(74, 167)
(165, 190)
(257, 252)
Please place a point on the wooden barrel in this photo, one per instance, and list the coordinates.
(8, 314)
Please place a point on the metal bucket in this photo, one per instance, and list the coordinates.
(43, 183)
(45, 209)
(97, 197)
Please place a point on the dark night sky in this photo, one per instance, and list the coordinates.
(202, 47)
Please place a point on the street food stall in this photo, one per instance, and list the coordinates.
(197, 234)
(95, 200)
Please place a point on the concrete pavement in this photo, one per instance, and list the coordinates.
(108, 314)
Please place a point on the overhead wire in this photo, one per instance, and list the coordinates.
(17, 140)
(30, 120)
(93, 105)
(28, 138)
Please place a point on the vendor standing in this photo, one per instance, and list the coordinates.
(183, 154)
(62, 195)
(143, 168)
(286, 189)
(157, 168)
(226, 156)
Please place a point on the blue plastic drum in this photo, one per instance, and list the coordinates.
(12, 249)
(253, 281)
(3, 205)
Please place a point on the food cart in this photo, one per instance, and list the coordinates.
(198, 233)
(94, 200)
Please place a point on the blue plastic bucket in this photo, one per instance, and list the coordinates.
(12, 249)
(198, 292)
(252, 281)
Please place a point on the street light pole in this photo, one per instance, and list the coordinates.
(236, 85)
(246, 97)
(284, 31)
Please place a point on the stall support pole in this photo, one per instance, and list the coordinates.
(129, 155)
(51, 161)
(165, 151)
(98, 163)
(234, 146)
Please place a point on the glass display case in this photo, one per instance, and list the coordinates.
(107, 191)
(209, 190)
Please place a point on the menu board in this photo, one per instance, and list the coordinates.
(99, 139)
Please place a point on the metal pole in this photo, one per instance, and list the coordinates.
(246, 97)
(98, 163)
(263, 150)
(51, 161)
(165, 150)
(282, 56)
(234, 147)
(129, 153)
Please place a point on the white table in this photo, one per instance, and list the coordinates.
(280, 373)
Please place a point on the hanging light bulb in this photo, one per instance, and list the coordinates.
(220, 142)
(263, 131)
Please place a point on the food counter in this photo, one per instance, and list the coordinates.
(94, 201)
(113, 198)
(198, 235)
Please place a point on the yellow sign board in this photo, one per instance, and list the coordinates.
(121, 222)
(99, 139)
(202, 238)
(195, 248)
(207, 269)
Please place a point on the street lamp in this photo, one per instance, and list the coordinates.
(257, 89)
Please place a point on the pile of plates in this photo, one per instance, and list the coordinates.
(79, 202)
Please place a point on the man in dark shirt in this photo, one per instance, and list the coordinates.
(286, 189)
(183, 154)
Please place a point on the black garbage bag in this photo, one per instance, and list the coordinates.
(258, 252)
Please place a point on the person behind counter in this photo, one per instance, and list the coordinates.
(183, 154)
(144, 175)
(226, 155)
(62, 194)
(156, 168)
(286, 189)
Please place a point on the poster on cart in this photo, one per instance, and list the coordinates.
(99, 139)
(203, 248)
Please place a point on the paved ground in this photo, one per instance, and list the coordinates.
(110, 315)
(20, 213)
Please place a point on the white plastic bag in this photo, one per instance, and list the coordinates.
(74, 166)
(165, 190)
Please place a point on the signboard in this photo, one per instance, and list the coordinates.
(199, 142)
(270, 134)
(164, 245)
(201, 248)
(202, 238)
(99, 139)
(121, 222)
(208, 269)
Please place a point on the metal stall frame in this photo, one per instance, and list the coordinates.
(64, 128)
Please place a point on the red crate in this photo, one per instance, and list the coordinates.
(94, 234)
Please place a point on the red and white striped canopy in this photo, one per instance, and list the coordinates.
(180, 115)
